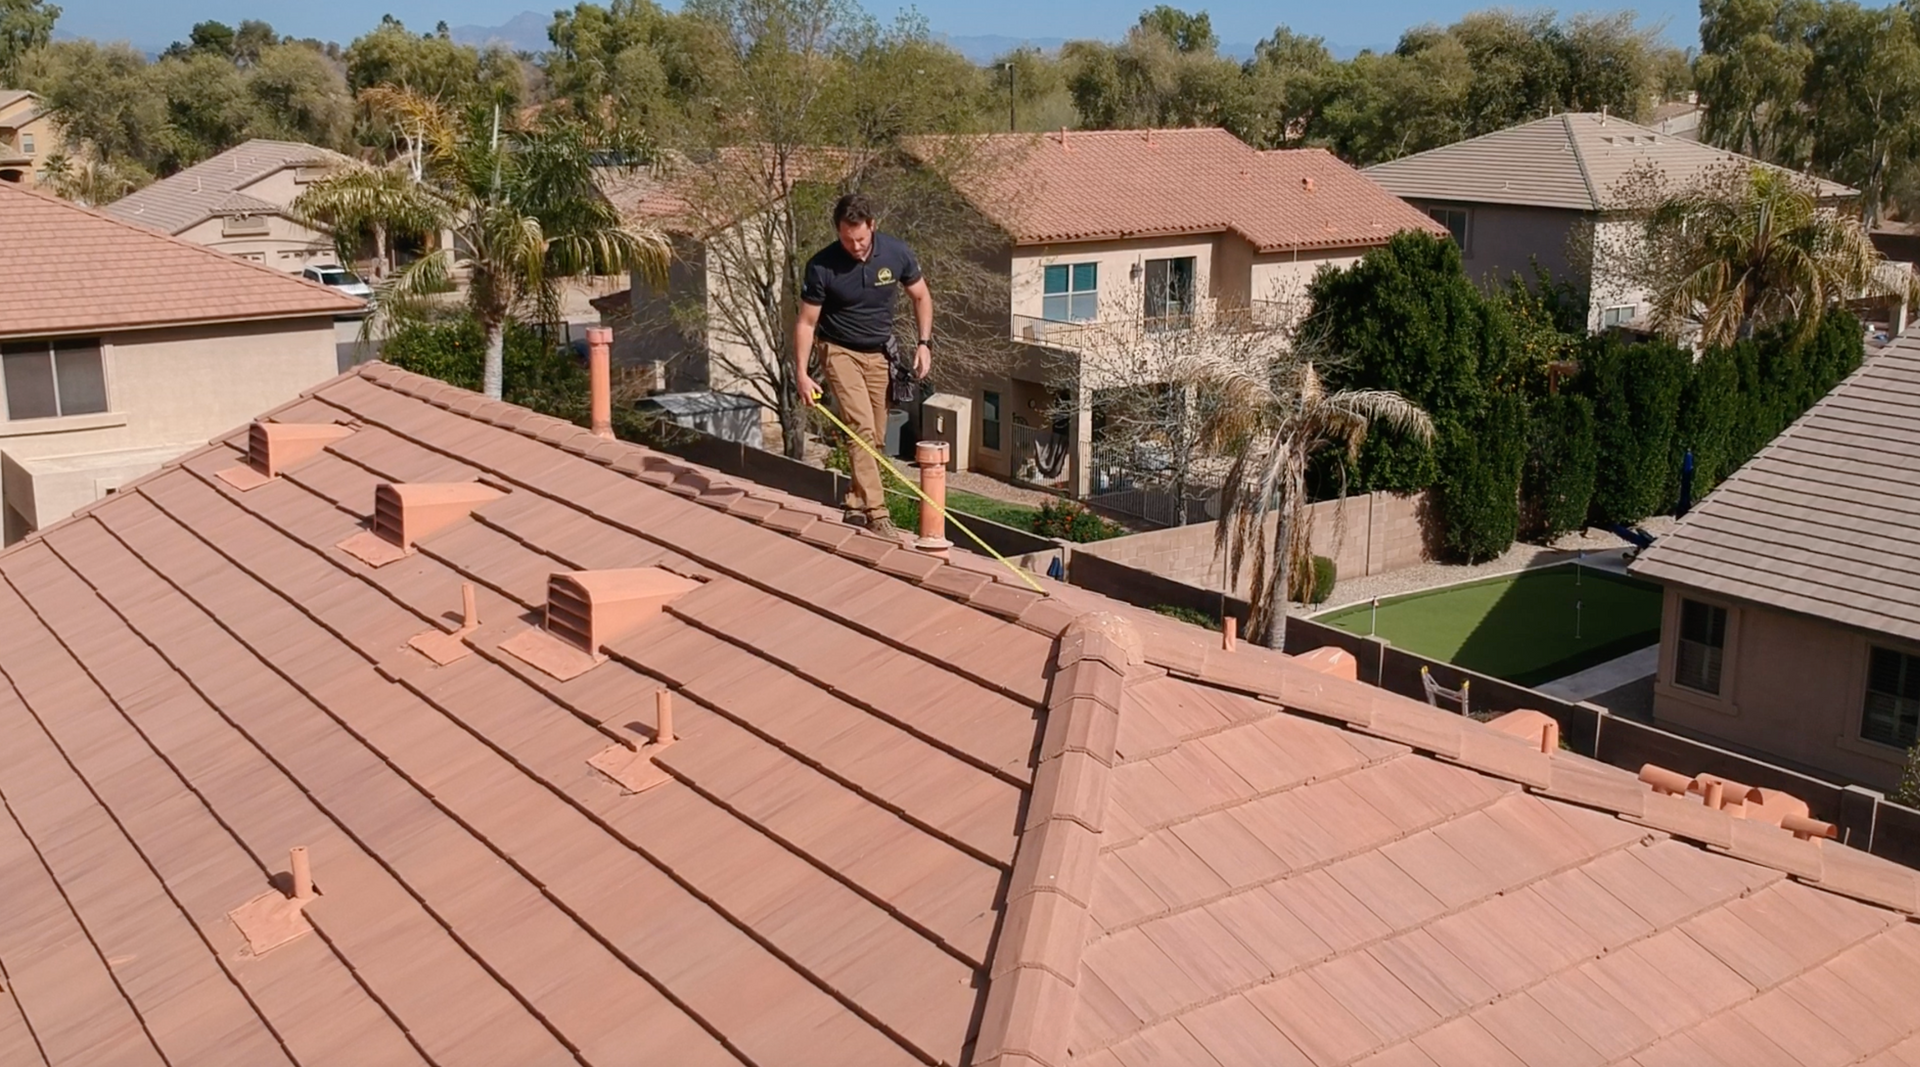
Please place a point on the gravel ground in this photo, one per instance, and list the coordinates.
(1518, 558)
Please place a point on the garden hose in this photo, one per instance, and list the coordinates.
(888, 467)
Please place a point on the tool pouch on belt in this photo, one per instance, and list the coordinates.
(900, 384)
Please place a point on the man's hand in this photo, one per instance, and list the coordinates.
(809, 392)
(922, 361)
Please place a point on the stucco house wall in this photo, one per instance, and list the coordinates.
(167, 391)
(286, 245)
(1792, 688)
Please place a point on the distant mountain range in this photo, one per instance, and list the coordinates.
(527, 32)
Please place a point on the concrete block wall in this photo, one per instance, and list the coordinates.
(1363, 535)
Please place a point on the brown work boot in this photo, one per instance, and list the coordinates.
(883, 525)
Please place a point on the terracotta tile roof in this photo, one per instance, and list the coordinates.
(1820, 522)
(915, 813)
(1110, 185)
(1574, 161)
(71, 269)
(206, 189)
(682, 196)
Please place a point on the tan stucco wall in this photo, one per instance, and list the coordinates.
(287, 245)
(1118, 291)
(1282, 277)
(167, 389)
(1792, 688)
(1368, 534)
(46, 142)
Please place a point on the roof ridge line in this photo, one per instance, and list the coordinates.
(1474, 745)
(991, 595)
(1580, 160)
(1034, 973)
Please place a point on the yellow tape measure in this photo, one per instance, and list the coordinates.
(888, 467)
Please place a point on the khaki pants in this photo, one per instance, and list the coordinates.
(859, 384)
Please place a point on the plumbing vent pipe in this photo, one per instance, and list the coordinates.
(600, 379)
(931, 457)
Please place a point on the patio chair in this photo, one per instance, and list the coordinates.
(1435, 693)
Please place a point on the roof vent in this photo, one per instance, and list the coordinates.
(587, 609)
(1307, 184)
(403, 514)
(274, 447)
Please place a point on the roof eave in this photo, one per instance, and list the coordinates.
(10, 333)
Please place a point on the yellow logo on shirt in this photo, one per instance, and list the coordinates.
(884, 277)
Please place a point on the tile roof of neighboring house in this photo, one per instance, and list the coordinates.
(1821, 522)
(203, 190)
(684, 197)
(1109, 185)
(915, 812)
(71, 270)
(9, 97)
(1574, 161)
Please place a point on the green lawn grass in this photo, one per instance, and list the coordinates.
(1519, 627)
(905, 509)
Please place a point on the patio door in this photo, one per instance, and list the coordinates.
(1169, 295)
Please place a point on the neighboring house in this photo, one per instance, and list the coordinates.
(1161, 229)
(1792, 618)
(27, 136)
(264, 805)
(124, 348)
(1550, 192)
(1679, 118)
(238, 202)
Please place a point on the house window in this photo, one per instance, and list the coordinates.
(1455, 220)
(990, 421)
(26, 143)
(1893, 698)
(1072, 293)
(1618, 315)
(46, 379)
(1169, 295)
(1703, 641)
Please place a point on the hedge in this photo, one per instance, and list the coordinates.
(1556, 486)
(1636, 391)
(536, 375)
(1479, 485)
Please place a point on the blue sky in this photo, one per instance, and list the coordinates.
(152, 23)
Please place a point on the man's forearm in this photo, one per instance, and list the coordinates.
(923, 314)
(802, 348)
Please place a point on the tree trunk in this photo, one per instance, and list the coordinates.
(1277, 598)
(381, 263)
(493, 373)
(793, 423)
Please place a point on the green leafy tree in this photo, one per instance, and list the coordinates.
(629, 63)
(1635, 390)
(1753, 62)
(298, 94)
(1862, 97)
(434, 66)
(210, 37)
(523, 210)
(252, 39)
(107, 104)
(1405, 320)
(24, 26)
(1562, 463)
(1478, 484)
(1189, 33)
(1287, 85)
(1274, 418)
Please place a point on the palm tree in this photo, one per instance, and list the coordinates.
(1272, 420)
(87, 182)
(361, 198)
(1755, 247)
(521, 206)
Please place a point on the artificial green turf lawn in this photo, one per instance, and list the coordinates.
(905, 509)
(1519, 627)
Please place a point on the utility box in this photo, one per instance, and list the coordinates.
(728, 416)
(949, 417)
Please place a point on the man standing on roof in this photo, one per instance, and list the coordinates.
(846, 317)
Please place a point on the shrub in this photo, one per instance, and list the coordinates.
(1557, 483)
(1322, 575)
(1636, 392)
(1197, 618)
(1908, 791)
(536, 375)
(1479, 485)
(1069, 521)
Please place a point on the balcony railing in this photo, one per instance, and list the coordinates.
(1081, 336)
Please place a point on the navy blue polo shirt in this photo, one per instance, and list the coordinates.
(856, 297)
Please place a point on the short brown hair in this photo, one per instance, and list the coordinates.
(852, 210)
